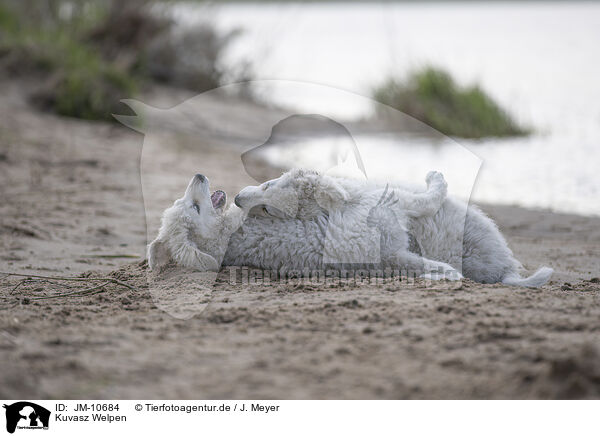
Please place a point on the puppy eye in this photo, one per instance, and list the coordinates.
(195, 206)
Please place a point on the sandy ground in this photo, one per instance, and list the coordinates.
(71, 205)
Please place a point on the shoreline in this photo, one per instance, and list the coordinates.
(60, 206)
(72, 201)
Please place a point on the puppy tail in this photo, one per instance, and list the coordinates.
(539, 278)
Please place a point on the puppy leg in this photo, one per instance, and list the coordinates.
(158, 254)
(188, 255)
(423, 267)
(234, 219)
(429, 202)
(439, 271)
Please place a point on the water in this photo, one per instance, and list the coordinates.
(538, 60)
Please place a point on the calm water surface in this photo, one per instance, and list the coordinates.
(540, 61)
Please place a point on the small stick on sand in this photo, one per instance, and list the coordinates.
(31, 278)
(111, 256)
(75, 279)
(83, 292)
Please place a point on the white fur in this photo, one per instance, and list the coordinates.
(460, 234)
(305, 220)
(193, 233)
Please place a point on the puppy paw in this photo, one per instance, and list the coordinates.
(453, 275)
(205, 262)
(450, 275)
(435, 177)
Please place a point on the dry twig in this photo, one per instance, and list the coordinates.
(32, 278)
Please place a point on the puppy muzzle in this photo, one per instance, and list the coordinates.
(248, 197)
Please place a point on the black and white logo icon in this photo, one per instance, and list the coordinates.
(26, 415)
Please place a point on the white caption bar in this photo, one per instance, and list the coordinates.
(263, 417)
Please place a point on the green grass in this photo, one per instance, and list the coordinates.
(433, 97)
(78, 82)
(8, 23)
(103, 52)
(91, 92)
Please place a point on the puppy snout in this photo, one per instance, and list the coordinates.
(200, 178)
(246, 198)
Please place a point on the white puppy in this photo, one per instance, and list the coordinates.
(194, 232)
(294, 213)
(307, 221)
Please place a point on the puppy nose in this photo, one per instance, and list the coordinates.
(236, 200)
(200, 178)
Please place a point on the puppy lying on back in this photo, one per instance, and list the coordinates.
(452, 235)
(307, 221)
(195, 231)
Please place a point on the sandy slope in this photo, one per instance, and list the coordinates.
(71, 203)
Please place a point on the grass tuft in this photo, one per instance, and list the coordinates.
(89, 55)
(433, 97)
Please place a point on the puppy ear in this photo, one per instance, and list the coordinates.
(158, 254)
(330, 194)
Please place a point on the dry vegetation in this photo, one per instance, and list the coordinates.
(90, 54)
(432, 96)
